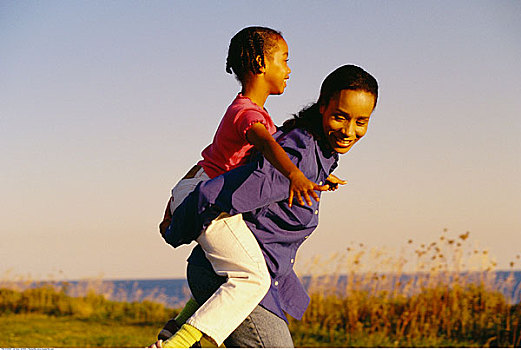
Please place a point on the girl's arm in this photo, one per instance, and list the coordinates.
(300, 186)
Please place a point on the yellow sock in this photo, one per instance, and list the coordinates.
(184, 337)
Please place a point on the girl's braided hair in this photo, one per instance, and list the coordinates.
(246, 46)
(347, 77)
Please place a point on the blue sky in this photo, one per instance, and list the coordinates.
(104, 105)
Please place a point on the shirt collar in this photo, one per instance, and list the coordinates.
(328, 157)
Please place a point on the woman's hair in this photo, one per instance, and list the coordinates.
(347, 77)
(246, 46)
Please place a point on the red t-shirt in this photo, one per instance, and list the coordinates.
(230, 147)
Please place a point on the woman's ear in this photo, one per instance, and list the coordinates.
(322, 108)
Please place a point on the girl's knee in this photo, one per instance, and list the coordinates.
(263, 279)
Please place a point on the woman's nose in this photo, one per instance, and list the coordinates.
(349, 129)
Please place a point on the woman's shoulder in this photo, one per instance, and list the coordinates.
(296, 138)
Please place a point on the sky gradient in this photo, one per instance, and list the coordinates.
(104, 105)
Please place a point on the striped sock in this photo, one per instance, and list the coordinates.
(184, 338)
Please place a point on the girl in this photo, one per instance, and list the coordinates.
(258, 57)
(314, 139)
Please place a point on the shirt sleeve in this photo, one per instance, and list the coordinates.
(241, 190)
(259, 183)
(246, 119)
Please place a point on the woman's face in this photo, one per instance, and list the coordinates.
(345, 118)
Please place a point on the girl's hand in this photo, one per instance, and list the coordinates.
(300, 187)
(158, 344)
(333, 182)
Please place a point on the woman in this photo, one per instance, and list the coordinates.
(254, 197)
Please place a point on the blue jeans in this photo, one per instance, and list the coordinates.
(261, 329)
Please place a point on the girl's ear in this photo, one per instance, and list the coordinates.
(262, 66)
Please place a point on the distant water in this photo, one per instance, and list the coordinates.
(175, 291)
(171, 292)
(506, 282)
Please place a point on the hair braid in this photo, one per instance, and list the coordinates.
(246, 46)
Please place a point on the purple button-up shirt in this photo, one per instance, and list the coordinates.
(260, 193)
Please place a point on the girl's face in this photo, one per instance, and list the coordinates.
(345, 118)
(276, 69)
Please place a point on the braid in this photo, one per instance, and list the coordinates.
(246, 46)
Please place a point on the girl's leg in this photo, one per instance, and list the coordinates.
(186, 185)
(234, 253)
(173, 325)
(180, 191)
(261, 328)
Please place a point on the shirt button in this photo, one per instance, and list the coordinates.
(306, 237)
(316, 211)
(276, 283)
(292, 261)
(320, 183)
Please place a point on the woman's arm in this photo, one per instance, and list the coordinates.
(300, 186)
(254, 185)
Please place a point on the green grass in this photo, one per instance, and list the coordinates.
(33, 330)
(439, 308)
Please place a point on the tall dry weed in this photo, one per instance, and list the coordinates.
(443, 293)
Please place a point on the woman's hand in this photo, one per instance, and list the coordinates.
(302, 188)
(333, 182)
(167, 219)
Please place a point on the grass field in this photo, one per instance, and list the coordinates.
(351, 306)
(33, 330)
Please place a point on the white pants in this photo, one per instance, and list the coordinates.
(184, 187)
(233, 251)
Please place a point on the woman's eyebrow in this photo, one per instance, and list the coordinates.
(346, 114)
(339, 111)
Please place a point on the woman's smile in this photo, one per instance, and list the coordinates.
(341, 141)
(346, 117)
